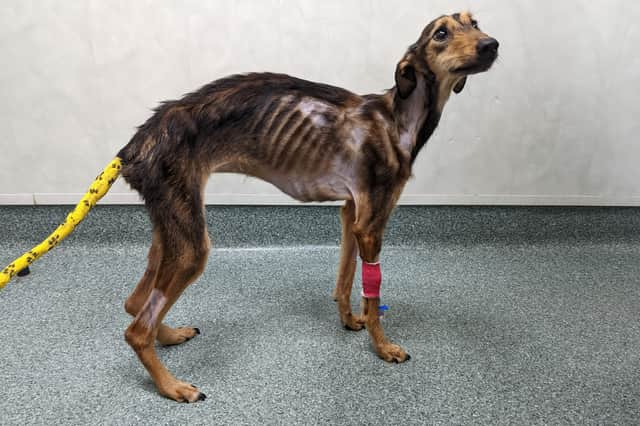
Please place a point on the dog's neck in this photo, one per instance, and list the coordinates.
(418, 116)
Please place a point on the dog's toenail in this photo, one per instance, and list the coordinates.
(201, 396)
(197, 330)
(408, 357)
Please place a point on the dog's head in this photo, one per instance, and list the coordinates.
(449, 49)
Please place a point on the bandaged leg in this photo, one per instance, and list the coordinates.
(371, 280)
(368, 232)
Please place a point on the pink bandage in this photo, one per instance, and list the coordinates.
(371, 280)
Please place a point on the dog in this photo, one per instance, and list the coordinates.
(313, 141)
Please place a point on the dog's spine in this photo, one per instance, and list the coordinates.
(97, 190)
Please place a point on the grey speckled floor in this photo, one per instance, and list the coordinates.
(512, 316)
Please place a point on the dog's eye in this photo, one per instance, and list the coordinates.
(441, 34)
(474, 24)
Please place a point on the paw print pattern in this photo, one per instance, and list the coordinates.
(32, 256)
(71, 220)
(87, 202)
(10, 270)
(53, 241)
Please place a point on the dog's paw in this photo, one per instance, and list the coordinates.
(393, 353)
(168, 336)
(352, 322)
(181, 391)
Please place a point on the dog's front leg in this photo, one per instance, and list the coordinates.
(370, 244)
(347, 269)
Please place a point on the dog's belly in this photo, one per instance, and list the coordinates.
(334, 184)
(321, 188)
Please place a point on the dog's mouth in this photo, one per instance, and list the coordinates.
(480, 64)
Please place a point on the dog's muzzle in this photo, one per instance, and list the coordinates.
(487, 49)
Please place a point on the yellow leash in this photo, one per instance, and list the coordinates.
(96, 191)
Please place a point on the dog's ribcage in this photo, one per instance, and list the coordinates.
(306, 151)
(307, 144)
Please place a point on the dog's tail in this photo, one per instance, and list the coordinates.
(96, 191)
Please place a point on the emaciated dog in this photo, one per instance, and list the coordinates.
(313, 141)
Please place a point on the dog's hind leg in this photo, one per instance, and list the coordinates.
(140, 294)
(185, 248)
(166, 335)
(347, 269)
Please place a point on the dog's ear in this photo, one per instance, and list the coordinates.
(406, 80)
(460, 85)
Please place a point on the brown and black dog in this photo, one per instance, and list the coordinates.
(313, 141)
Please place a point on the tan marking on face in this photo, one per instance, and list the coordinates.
(459, 48)
(466, 17)
(457, 51)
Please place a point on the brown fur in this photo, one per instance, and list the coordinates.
(316, 142)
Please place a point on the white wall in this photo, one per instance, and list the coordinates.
(555, 122)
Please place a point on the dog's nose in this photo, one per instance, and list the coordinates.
(488, 46)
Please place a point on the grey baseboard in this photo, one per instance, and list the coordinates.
(246, 226)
